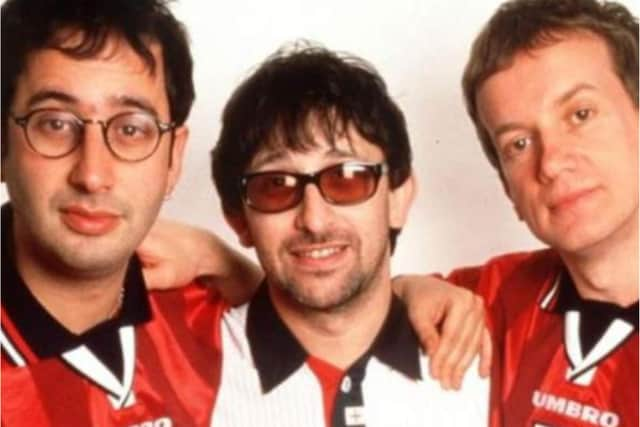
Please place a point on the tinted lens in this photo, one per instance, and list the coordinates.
(272, 192)
(348, 183)
(342, 184)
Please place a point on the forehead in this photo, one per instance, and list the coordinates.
(92, 83)
(319, 149)
(547, 73)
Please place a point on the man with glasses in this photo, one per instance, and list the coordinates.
(94, 101)
(313, 168)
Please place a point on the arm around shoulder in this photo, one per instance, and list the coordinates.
(174, 254)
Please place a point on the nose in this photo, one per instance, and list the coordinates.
(93, 163)
(555, 155)
(313, 212)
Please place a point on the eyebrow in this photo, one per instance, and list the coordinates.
(564, 97)
(66, 98)
(280, 154)
(136, 102)
(50, 94)
(340, 153)
(270, 157)
(504, 128)
(573, 92)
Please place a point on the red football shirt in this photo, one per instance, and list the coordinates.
(559, 360)
(155, 364)
(169, 373)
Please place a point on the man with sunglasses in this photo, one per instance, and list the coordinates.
(313, 168)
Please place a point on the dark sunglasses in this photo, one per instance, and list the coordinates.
(343, 184)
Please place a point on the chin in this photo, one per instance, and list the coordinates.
(322, 299)
(94, 258)
(579, 243)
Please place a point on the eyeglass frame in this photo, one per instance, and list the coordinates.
(379, 170)
(163, 127)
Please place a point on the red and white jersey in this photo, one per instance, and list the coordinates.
(156, 364)
(169, 372)
(269, 380)
(559, 360)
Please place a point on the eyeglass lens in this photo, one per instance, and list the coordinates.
(55, 133)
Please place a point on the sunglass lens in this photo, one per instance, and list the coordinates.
(348, 183)
(272, 192)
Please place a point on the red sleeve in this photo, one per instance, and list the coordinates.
(494, 283)
(467, 277)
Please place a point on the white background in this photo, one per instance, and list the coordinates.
(461, 216)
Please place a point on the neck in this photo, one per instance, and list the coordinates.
(608, 272)
(342, 335)
(79, 302)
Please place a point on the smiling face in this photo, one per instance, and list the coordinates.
(319, 255)
(85, 213)
(567, 137)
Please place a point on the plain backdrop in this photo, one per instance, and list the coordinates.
(461, 215)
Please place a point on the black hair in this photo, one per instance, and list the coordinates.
(300, 86)
(81, 29)
(295, 88)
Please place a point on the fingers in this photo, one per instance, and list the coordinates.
(169, 255)
(429, 337)
(159, 276)
(486, 352)
(152, 250)
(467, 354)
(452, 351)
(460, 341)
(426, 310)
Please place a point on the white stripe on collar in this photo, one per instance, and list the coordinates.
(546, 300)
(583, 367)
(12, 351)
(85, 362)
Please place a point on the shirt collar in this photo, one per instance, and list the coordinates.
(566, 298)
(277, 354)
(43, 333)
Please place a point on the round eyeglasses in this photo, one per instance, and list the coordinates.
(342, 184)
(131, 137)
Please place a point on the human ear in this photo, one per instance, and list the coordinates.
(400, 200)
(180, 137)
(238, 222)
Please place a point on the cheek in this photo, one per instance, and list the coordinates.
(631, 158)
(267, 238)
(32, 182)
(518, 190)
(371, 224)
(143, 188)
(146, 179)
(268, 232)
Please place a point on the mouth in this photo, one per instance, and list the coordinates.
(325, 257)
(89, 222)
(570, 199)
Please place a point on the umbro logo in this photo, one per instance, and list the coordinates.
(574, 409)
(159, 422)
